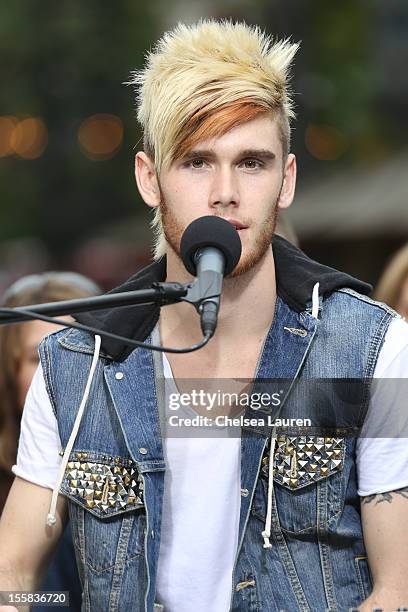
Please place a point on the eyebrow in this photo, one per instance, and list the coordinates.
(265, 154)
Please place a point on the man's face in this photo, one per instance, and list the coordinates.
(237, 176)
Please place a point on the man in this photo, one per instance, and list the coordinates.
(203, 523)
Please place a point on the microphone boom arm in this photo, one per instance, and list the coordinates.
(208, 286)
(160, 293)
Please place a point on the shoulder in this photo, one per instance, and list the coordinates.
(349, 297)
(355, 314)
(69, 338)
(353, 327)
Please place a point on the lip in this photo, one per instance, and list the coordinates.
(237, 224)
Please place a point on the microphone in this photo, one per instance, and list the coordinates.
(210, 248)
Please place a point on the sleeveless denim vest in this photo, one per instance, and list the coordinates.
(114, 479)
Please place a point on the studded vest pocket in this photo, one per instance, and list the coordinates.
(107, 511)
(307, 476)
(300, 461)
(102, 484)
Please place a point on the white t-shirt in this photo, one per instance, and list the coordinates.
(202, 487)
(200, 518)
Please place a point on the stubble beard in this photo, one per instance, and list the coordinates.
(264, 230)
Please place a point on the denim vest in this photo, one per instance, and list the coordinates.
(114, 480)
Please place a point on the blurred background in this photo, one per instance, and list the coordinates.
(68, 132)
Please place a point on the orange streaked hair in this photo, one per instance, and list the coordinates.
(204, 125)
(202, 80)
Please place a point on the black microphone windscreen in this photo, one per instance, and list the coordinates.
(210, 231)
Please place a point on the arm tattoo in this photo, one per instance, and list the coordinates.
(382, 497)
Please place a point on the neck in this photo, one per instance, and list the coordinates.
(246, 311)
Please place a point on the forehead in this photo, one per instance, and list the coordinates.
(262, 132)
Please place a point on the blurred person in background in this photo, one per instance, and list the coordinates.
(392, 287)
(18, 363)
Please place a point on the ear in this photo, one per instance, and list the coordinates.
(146, 179)
(289, 183)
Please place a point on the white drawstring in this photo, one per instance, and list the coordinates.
(315, 301)
(266, 534)
(51, 520)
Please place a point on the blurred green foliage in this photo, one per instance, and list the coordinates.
(64, 61)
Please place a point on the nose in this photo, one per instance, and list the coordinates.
(224, 189)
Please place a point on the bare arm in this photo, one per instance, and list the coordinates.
(385, 525)
(26, 542)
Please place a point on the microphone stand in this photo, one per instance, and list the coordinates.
(207, 287)
(160, 293)
(201, 291)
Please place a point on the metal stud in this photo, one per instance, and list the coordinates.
(299, 460)
(105, 487)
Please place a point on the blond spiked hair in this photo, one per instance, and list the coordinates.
(196, 71)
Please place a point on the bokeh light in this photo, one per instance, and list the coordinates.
(100, 136)
(325, 142)
(7, 125)
(29, 138)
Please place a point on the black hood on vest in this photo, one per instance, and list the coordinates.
(296, 275)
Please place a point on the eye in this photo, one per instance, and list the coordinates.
(196, 163)
(252, 164)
